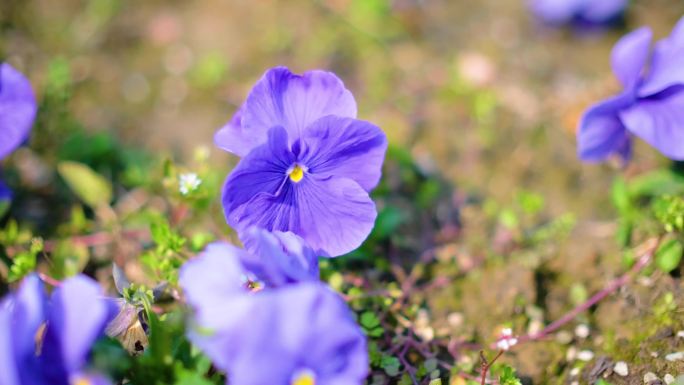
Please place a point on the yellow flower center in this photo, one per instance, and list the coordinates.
(305, 377)
(81, 381)
(296, 175)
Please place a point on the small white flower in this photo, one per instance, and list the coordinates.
(188, 183)
(506, 339)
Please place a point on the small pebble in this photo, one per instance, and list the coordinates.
(669, 379)
(582, 331)
(563, 337)
(650, 378)
(680, 334)
(571, 354)
(585, 355)
(621, 368)
(574, 372)
(574, 383)
(675, 356)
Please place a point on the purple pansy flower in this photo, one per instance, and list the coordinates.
(578, 12)
(47, 342)
(651, 106)
(298, 333)
(17, 112)
(308, 164)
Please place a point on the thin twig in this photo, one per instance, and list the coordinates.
(99, 239)
(610, 288)
(486, 365)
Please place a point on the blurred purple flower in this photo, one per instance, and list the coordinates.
(651, 106)
(578, 12)
(298, 333)
(47, 342)
(17, 112)
(308, 165)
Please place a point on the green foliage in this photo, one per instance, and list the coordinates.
(669, 255)
(25, 261)
(91, 188)
(508, 377)
(371, 324)
(669, 210)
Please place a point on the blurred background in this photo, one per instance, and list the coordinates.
(478, 96)
(478, 90)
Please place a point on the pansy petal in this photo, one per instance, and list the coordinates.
(89, 379)
(601, 133)
(5, 192)
(660, 123)
(344, 147)
(630, 54)
(17, 109)
(28, 308)
(23, 313)
(554, 11)
(667, 68)
(333, 215)
(232, 138)
(77, 317)
(278, 258)
(214, 286)
(210, 278)
(262, 170)
(304, 327)
(603, 11)
(282, 98)
(9, 370)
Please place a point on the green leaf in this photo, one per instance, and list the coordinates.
(620, 196)
(390, 365)
(93, 189)
(655, 183)
(4, 207)
(669, 255)
(369, 320)
(507, 376)
(23, 263)
(389, 219)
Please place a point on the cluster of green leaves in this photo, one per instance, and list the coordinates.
(649, 205)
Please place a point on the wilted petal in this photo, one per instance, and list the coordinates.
(601, 133)
(333, 215)
(659, 122)
(263, 170)
(77, 317)
(630, 54)
(282, 98)
(667, 68)
(278, 258)
(345, 147)
(17, 109)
